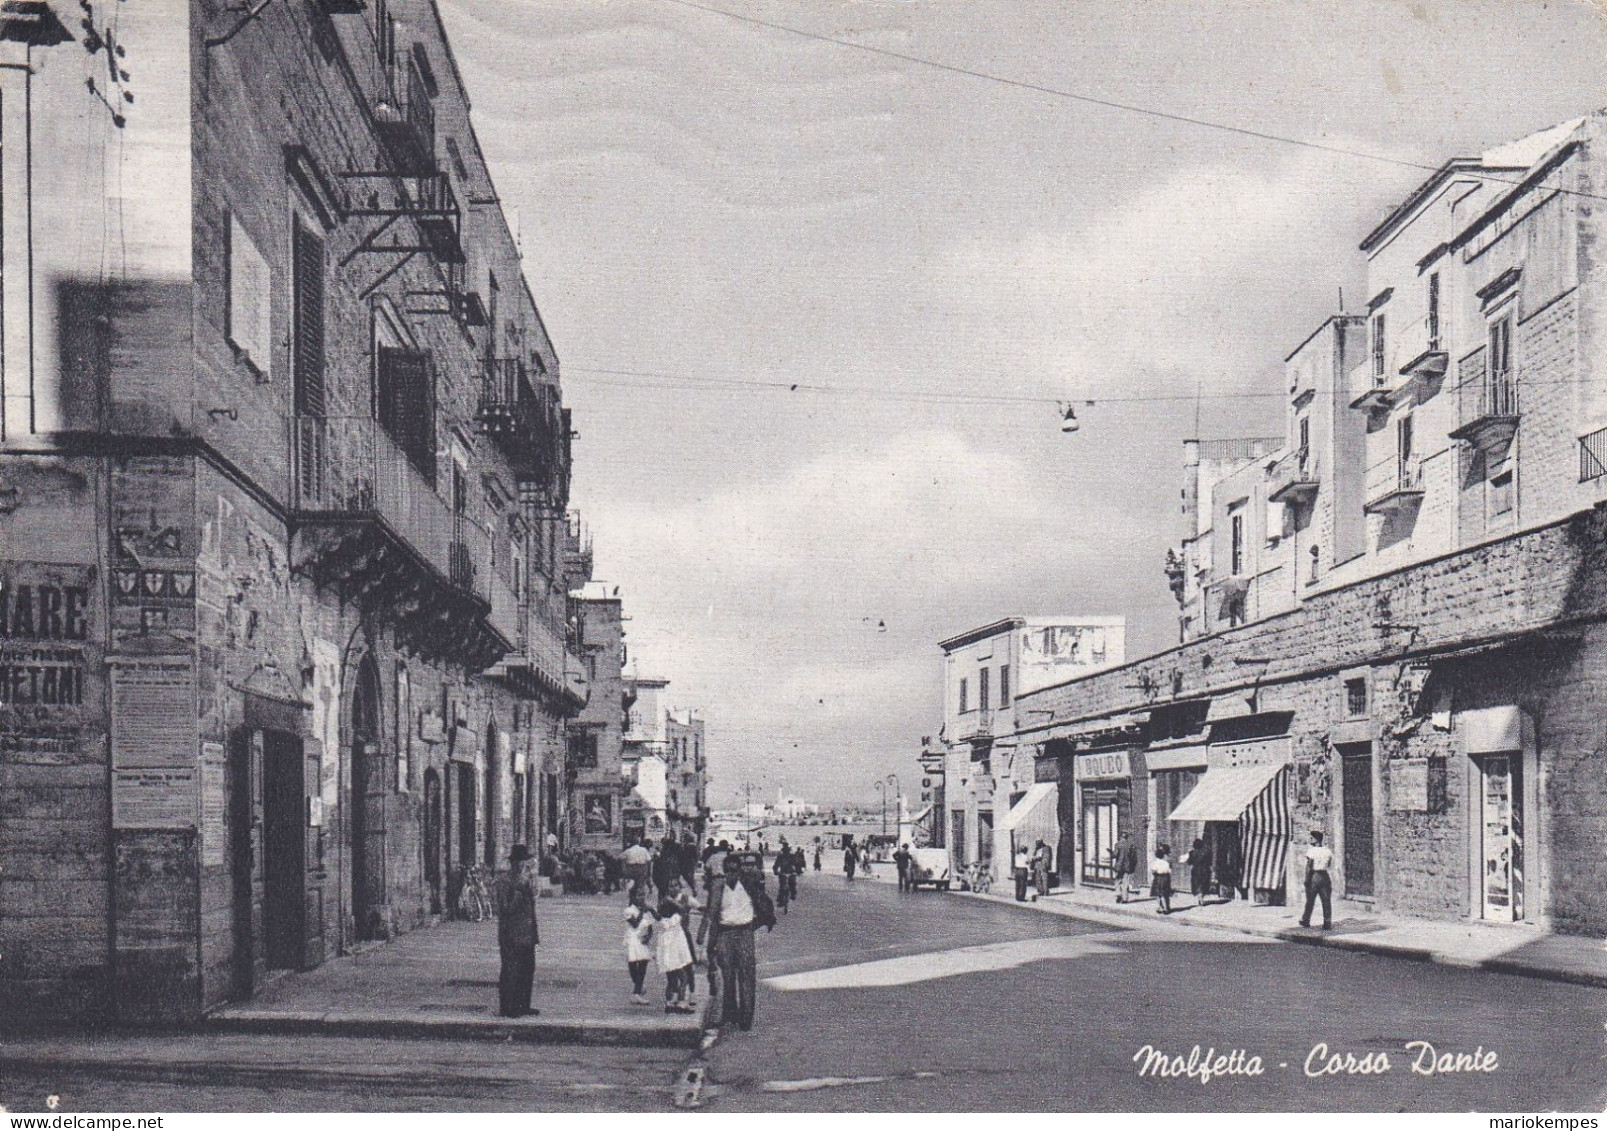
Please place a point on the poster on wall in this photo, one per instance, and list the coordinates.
(599, 813)
(153, 712)
(159, 797)
(214, 804)
(153, 555)
(50, 667)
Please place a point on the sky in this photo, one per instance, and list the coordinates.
(712, 211)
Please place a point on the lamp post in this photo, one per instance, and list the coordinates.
(881, 788)
(898, 805)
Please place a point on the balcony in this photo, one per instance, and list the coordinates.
(404, 117)
(975, 725)
(1489, 413)
(526, 421)
(1293, 480)
(370, 526)
(544, 665)
(1394, 485)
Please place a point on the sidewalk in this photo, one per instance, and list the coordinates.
(441, 981)
(1525, 951)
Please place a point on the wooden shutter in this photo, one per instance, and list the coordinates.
(407, 405)
(308, 266)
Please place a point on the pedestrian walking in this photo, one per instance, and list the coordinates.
(737, 908)
(1124, 859)
(665, 866)
(817, 854)
(517, 935)
(639, 920)
(1199, 862)
(800, 864)
(783, 872)
(864, 858)
(1319, 884)
(901, 861)
(685, 898)
(674, 955)
(1041, 860)
(1160, 884)
(1023, 870)
(849, 861)
(636, 864)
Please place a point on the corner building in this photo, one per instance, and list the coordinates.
(284, 468)
(1392, 618)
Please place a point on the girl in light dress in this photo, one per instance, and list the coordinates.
(682, 895)
(674, 955)
(1160, 885)
(639, 922)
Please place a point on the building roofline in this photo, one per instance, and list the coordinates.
(1321, 326)
(1426, 189)
(971, 636)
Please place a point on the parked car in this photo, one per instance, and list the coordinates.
(930, 866)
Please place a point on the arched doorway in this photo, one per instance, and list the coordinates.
(432, 838)
(366, 804)
(493, 795)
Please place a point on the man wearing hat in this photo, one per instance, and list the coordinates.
(517, 935)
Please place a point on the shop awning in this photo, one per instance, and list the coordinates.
(1225, 792)
(1022, 809)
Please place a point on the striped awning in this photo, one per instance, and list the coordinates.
(1225, 792)
(1265, 830)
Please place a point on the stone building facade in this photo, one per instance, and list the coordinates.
(1396, 633)
(595, 771)
(284, 469)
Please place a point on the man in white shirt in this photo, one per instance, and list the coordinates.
(728, 923)
(1319, 859)
(1023, 866)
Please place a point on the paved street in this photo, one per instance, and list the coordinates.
(1051, 1017)
(875, 1001)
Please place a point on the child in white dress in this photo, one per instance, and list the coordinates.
(639, 922)
(674, 956)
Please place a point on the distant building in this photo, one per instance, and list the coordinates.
(686, 738)
(595, 763)
(984, 670)
(789, 808)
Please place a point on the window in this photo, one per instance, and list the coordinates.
(1501, 348)
(250, 292)
(307, 316)
(1434, 311)
(982, 688)
(1236, 545)
(1356, 697)
(1314, 569)
(1501, 489)
(965, 690)
(1305, 440)
(583, 749)
(1403, 450)
(406, 406)
(1004, 685)
(1378, 347)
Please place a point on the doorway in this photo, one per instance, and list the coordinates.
(1500, 815)
(1099, 829)
(284, 850)
(1356, 790)
(367, 806)
(432, 838)
(493, 789)
(467, 795)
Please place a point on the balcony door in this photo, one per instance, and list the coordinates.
(367, 807)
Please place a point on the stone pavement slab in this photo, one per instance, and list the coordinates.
(441, 981)
(1517, 949)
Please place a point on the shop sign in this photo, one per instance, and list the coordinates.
(1114, 764)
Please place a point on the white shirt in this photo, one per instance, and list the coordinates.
(1022, 859)
(1320, 857)
(1161, 866)
(736, 909)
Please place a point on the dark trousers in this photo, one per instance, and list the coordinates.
(732, 950)
(1021, 885)
(518, 979)
(903, 879)
(1319, 886)
(638, 975)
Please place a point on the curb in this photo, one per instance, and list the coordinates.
(1509, 966)
(488, 1029)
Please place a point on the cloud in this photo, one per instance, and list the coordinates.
(1194, 277)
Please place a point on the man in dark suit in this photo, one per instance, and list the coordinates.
(517, 934)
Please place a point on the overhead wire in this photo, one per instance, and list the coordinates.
(1107, 103)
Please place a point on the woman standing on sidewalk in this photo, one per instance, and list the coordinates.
(1160, 885)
